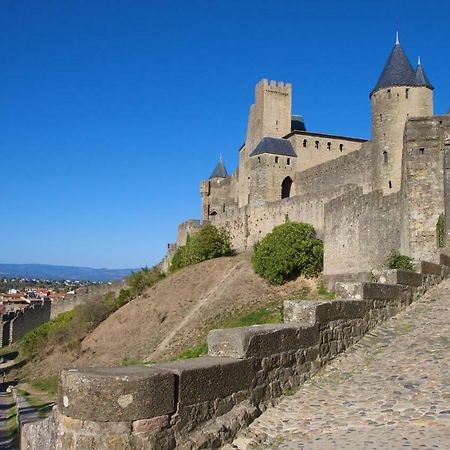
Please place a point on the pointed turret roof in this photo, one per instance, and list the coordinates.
(421, 77)
(398, 71)
(220, 171)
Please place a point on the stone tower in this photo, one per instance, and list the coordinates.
(270, 115)
(400, 93)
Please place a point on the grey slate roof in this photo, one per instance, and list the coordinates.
(220, 171)
(421, 77)
(397, 71)
(298, 123)
(275, 146)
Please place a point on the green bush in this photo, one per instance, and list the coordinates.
(400, 262)
(209, 242)
(290, 250)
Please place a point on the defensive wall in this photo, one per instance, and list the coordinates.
(203, 402)
(16, 324)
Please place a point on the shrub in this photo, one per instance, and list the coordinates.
(290, 250)
(400, 262)
(209, 242)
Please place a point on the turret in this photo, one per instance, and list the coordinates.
(399, 94)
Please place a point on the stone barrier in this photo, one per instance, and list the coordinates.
(203, 402)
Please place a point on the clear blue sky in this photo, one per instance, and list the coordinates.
(113, 111)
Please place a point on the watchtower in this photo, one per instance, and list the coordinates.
(400, 93)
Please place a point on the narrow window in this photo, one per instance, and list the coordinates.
(390, 184)
(381, 117)
(288, 162)
(422, 151)
(223, 208)
(389, 93)
(276, 159)
(276, 122)
(385, 157)
(407, 93)
(341, 147)
(304, 142)
(259, 159)
(329, 145)
(317, 144)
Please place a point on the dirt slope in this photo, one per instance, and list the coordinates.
(174, 315)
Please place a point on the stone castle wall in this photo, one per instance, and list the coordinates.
(360, 231)
(16, 324)
(314, 149)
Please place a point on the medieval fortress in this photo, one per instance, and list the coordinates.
(364, 198)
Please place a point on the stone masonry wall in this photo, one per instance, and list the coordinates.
(423, 185)
(203, 402)
(360, 231)
(29, 318)
(314, 149)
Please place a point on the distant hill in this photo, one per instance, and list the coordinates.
(49, 272)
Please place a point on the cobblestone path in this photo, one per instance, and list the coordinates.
(389, 391)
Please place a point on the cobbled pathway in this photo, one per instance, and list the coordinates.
(389, 391)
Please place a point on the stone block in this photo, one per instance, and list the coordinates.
(370, 291)
(428, 268)
(116, 394)
(260, 341)
(400, 277)
(320, 312)
(154, 423)
(444, 260)
(208, 378)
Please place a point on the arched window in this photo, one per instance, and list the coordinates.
(288, 161)
(341, 147)
(385, 157)
(317, 144)
(305, 141)
(329, 145)
(286, 186)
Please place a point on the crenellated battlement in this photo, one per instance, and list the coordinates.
(278, 87)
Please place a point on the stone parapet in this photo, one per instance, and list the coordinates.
(203, 402)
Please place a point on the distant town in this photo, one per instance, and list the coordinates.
(20, 293)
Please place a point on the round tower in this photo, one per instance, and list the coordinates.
(400, 93)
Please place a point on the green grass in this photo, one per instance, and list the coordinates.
(48, 384)
(43, 408)
(195, 352)
(132, 362)
(324, 293)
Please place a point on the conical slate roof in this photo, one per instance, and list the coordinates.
(421, 77)
(220, 171)
(398, 71)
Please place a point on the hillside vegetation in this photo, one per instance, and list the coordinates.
(172, 318)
